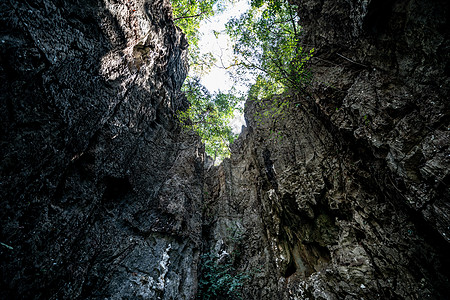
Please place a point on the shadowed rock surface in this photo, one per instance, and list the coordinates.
(344, 196)
(99, 188)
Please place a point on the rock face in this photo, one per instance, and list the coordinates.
(100, 190)
(346, 195)
(343, 196)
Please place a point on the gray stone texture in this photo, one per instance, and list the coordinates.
(345, 195)
(100, 189)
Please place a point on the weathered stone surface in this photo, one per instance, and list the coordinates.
(100, 191)
(347, 195)
(103, 196)
(389, 89)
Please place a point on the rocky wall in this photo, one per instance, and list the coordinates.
(100, 189)
(345, 195)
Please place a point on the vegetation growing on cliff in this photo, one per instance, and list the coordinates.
(209, 116)
(220, 279)
(188, 14)
(266, 46)
(209, 113)
(219, 275)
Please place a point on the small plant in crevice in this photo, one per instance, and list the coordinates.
(366, 120)
(219, 278)
(219, 275)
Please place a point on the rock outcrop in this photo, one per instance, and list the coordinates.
(100, 189)
(103, 196)
(346, 195)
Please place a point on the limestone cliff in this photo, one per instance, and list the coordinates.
(104, 197)
(346, 196)
(99, 188)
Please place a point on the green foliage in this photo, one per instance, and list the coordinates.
(219, 280)
(209, 116)
(188, 14)
(219, 277)
(267, 45)
(366, 120)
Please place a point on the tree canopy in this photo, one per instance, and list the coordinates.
(266, 46)
(209, 115)
(188, 14)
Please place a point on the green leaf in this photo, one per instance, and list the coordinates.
(209, 116)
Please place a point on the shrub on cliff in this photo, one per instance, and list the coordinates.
(209, 115)
(267, 44)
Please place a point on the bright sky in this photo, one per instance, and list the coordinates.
(218, 79)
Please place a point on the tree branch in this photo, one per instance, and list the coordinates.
(189, 17)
